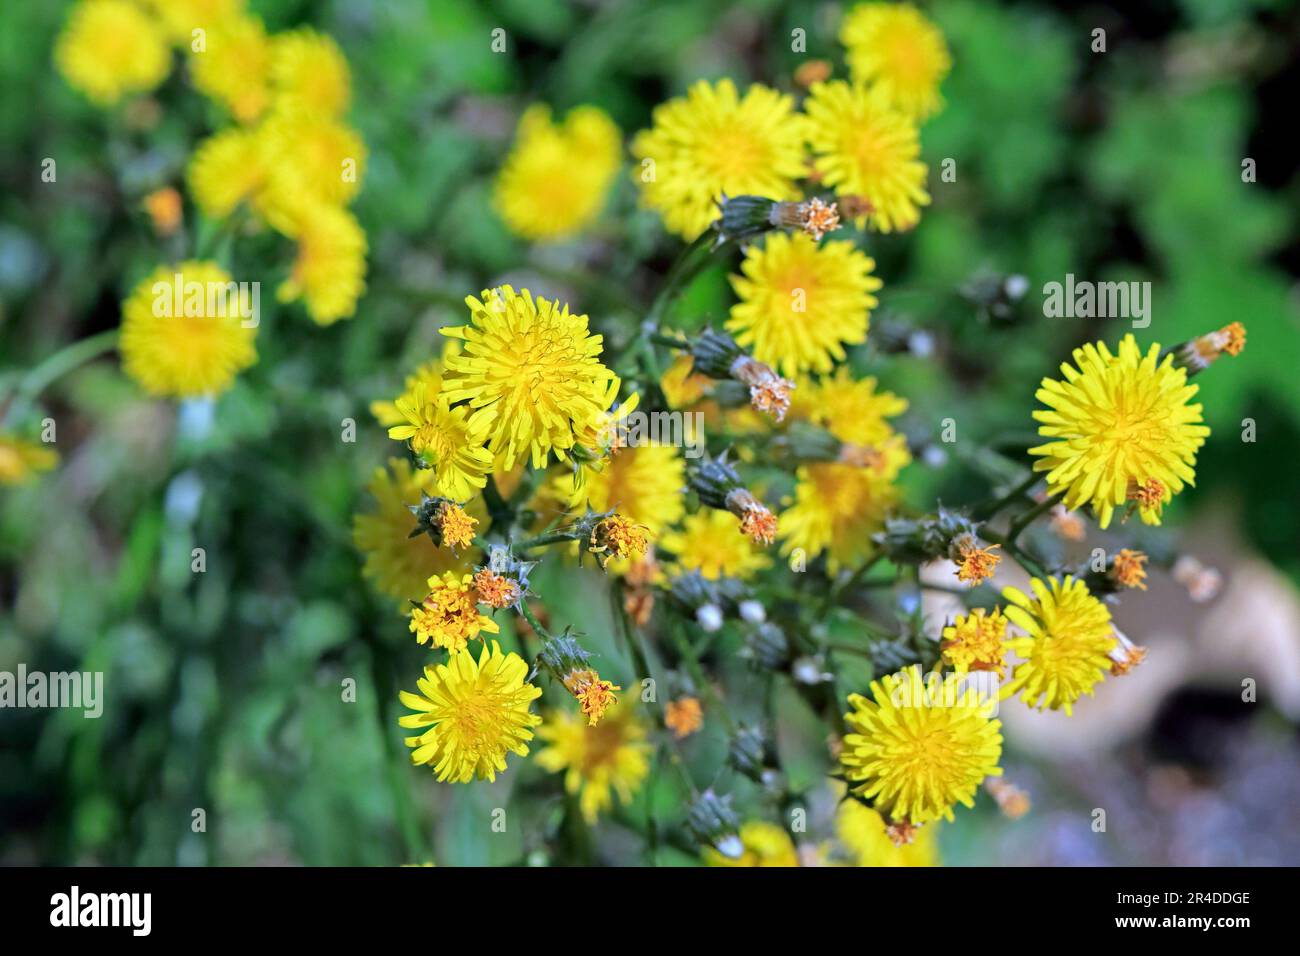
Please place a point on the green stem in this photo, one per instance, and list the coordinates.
(983, 514)
(688, 265)
(531, 618)
(1025, 520)
(60, 363)
(555, 537)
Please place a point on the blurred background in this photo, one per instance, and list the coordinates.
(222, 688)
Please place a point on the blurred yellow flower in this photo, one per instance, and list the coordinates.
(766, 844)
(232, 65)
(644, 483)
(226, 169)
(309, 159)
(849, 408)
(329, 269)
(182, 17)
(611, 758)
(862, 831)
(710, 541)
(110, 48)
(309, 73)
(714, 142)
(21, 460)
(555, 179)
(893, 46)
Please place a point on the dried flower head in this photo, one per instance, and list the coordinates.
(975, 565)
(683, 716)
(1128, 570)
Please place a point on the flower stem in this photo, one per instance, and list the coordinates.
(1025, 520)
(66, 359)
(983, 514)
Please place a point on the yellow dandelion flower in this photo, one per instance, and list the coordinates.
(531, 371)
(476, 712)
(893, 46)
(850, 409)
(611, 758)
(864, 834)
(707, 542)
(683, 717)
(181, 18)
(225, 170)
(182, 331)
(975, 642)
(309, 73)
(109, 49)
(555, 179)
(863, 147)
(595, 695)
(448, 616)
(329, 270)
(447, 439)
(233, 66)
(309, 159)
(765, 844)
(21, 460)
(920, 747)
(399, 565)
(714, 142)
(1120, 427)
(429, 374)
(1064, 652)
(801, 303)
(618, 537)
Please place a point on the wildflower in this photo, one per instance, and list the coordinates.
(717, 355)
(853, 410)
(1011, 800)
(448, 616)
(1125, 655)
(109, 49)
(763, 844)
(801, 303)
(1066, 524)
(712, 143)
(1064, 652)
(615, 536)
(838, 507)
(309, 159)
(309, 73)
(600, 762)
(496, 590)
(428, 374)
(457, 527)
(594, 695)
(707, 542)
(865, 148)
(864, 833)
(177, 349)
(329, 269)
(531, 372)
(643, 483)
(683, 717)
(1128, 569)
(225, 170)
(554, 182)
(915, 756)
(1120, 428)
(164, 209)
(974, 642)
(475, 711)
(181, 18)
(448, 439)
(1198, 354)
(22, 460)
(233, 66)
(893, 46)
(975, 565)
(812, 71)
(813, 217)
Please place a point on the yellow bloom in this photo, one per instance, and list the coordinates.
(308, 159)
(643, 483)
(110, 48)
(225, 170)
(766, 844)
(598, 762)
(920, 747)
(309, 73)
(1120, 427)
(863, 832)
(714, 142)
(329, 271)
(531, 371)
(617, 537)
(801, 303)
(496, 590)
(708, 542)
(182, 17)
(21, 460)
(975, 641)
(475, 711)
(554, 182)
(429, 374)
(448, 616)
(1064, 653)
(595, 695)
(233, 66)
(893, 46)
(191, 347)
(165, 210)
(454, 525)
(850, 409)
(398, 564)
(865, 148)
(448, 439)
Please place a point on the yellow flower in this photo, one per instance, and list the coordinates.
(165, 210)
(865, 148)
(454, 525)
(708, 542)
(554, 182)
(975, 641)
(531, 371)
(233, 66)
(766, 844)
(920, 747)
(595, 695)
(329, 271)
(400, 565)
(429, 374)
(863, 832)
(475, 711)
(21, 460)
(225, 170)
(308, 159)
(448, 616)
(182, 17)
(714, 142)
(309, 73)
(598, 762)
(850, 409)
(110, 48)
(187, 343)
(1064, 653)
(1120, 427)
(448, 439)
(643, 483)
(617, 537)
(893, 46)
(801, 303)
(683, 717)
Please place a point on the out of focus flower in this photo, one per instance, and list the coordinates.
(707, 542)
(1201, 352)
(111, 48)
(164, 209)
(801, 303)
(475, 712)
(1011, 800)
(556, 177)
(329, 269)
(21, 460)
(182, 17)
(309, 73)
(713, 143)
(683, 716)
(611, 758)
(1128, 570)
(1121, 429)
(308, 159)
(233, 66)
(1202, 583)
(975, 641)
(644, 483)
(894, 47)
(226, 169)
(595, 696)
(1067, 524)
(447, 439)
(863, 832)
(448, 616)
(763, 843)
